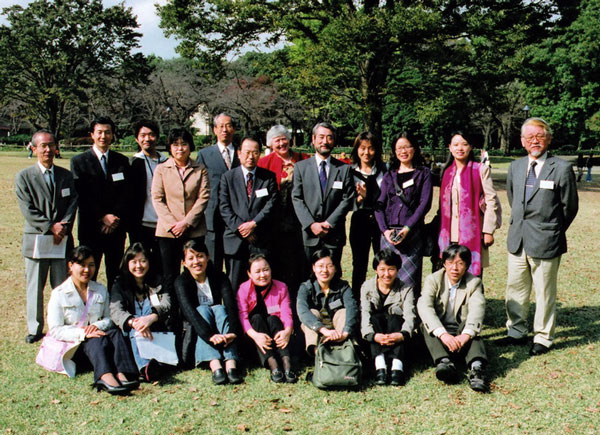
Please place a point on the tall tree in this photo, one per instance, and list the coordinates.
(56, 54)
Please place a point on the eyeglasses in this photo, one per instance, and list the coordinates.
(529, 139)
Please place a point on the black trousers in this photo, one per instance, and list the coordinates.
(214, 242)
(385, 323)
(111, 246)
(147, 237)
(364, 233)
(107, 354)
(171, 254)
(269, 325)
(474, 349)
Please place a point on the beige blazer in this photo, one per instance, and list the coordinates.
(469, 304)
(176, 198)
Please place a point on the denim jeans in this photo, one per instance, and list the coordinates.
(216, 317)
(139, 312)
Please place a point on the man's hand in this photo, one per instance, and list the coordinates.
(320, 229)
(451, 342)
(247, 228)
(59, 231)
(110, 222)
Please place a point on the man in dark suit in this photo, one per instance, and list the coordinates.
(247, 197)
(143, 218)
(101, 180)
(218, 159)
(322, 195)
(542, 192)
(48, 201)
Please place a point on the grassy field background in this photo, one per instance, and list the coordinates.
(554, 393)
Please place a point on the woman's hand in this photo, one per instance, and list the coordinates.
(488, 240)
(263, 341)
(282, 338)
(142, 324)
(92, 331)
(333, 335)
(361, 192)
(388, 235)
(179, 228)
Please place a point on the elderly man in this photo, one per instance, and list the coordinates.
(218, 159)
(452, 307)
(48, 201)
(542, 192)
(323, 194)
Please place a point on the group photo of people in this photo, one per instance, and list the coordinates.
(231, 257)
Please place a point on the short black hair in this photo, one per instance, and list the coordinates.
(417, 159)
(253, 139)
(256, 257)
(103, 120)
(80, 254)
(152, 125)
(455, 249)
(319, 254)
(180, 133)
(388, 257)
(195, 245)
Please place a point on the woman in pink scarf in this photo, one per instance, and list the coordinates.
(469, 206)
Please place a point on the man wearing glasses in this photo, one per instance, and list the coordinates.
(542, 192)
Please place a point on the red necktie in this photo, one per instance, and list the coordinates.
(249, 186)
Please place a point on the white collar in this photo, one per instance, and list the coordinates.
(540, 160)
(222, 147)
(321, 159)
(246, 172)
(44, 169)
(99, 153)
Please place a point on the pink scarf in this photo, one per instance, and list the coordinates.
(469, 211)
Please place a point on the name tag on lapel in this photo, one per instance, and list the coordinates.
(547, 184)
(335, 304)
(118, 176)
(337, 185)
(273, 309)
(408, 183)
(262, 192)
(65, 192)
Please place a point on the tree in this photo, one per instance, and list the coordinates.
(59, 54)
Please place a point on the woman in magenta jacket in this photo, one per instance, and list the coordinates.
(266, 317)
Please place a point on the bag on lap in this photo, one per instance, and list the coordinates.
(337, 366)
(55, 355)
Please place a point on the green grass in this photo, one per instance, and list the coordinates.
(553, 393)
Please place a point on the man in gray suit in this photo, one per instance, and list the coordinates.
(322, 195)
(542, 192)
(218, 159)
(48, 202)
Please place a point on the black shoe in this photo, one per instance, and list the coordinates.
(277, 376)
(397, 378)
(477, 381)
(219, 377)
(511, 341)
(538, 349)
(381, 377)
(290, 377)
(130, 385)
(234, 376)
(446, 372)
(151, 371)
(32, 338)
(103, 386)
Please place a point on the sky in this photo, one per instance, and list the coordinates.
(152, 42)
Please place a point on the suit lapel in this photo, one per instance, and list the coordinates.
(333, 171)
(459, 298)
(41, 180)
(547, 169)
(313, 174)
(519, 175)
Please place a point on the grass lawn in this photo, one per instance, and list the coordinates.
(555, 393)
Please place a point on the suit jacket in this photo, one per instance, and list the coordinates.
(39, 209)
(469, 302)
(539, 226)
(212, 159)
(175, 199)
(236, 209)
(311, 205)
(100, 195)
(138, 180)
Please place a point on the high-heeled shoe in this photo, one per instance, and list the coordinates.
(130, 385)
(100, 385)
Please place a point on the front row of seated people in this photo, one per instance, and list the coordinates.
(209, 317)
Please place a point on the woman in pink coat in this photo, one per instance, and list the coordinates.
(266, 317)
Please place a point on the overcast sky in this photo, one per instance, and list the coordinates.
(152, 42)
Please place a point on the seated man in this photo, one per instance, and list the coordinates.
(451, 308)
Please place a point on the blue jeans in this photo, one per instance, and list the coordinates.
(144, 311)
(216, 317)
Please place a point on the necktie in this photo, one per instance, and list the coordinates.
(227, 158)
(323, 176)
(530, 181)
(103, 164)
(50, 182)
(249, 186)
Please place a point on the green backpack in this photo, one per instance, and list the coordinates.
(337, 366)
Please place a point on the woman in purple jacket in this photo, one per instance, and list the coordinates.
(404, 201)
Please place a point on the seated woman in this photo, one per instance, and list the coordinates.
(325, 304)
(140, 303)
(209, 311)
(78, 311)
(266, 317)
(387, 316)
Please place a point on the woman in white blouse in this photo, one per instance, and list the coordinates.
(78, 311)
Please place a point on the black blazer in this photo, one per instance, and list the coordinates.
(100, 195)
(236, 208)
(187, 296)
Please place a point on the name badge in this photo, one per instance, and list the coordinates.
(154, 300)
(262, 192)
(547, 184)
(118, 176)
(408, 183)
(273, 309)
(337, 185)
(335, 304)
(65, 192)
